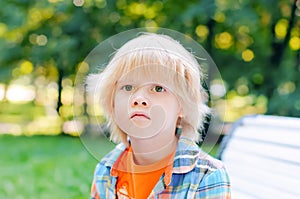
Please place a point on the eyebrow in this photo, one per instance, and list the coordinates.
(122, 81)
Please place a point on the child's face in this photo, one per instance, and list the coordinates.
(145, 106)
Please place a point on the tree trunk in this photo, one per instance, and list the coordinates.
(59, 82)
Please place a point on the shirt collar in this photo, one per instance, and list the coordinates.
(187, 153)
(112, 156)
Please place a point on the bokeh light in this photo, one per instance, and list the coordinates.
(247, 55)
(295, 43)
(281, 28)
(202, 32)
(224, 40)
(20, 93)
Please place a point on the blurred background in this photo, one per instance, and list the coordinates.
(254, 43)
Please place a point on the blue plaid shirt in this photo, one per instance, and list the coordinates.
(195, 174)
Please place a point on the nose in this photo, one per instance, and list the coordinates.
(139, 101)
(140, 97)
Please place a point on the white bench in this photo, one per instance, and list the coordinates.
(262, 156)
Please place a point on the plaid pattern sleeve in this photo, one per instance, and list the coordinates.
(214, 186)
(94, 194)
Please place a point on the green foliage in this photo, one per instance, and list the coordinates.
(245, 38)
(19, 112)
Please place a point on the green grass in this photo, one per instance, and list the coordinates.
(46, 167)
(50, 166)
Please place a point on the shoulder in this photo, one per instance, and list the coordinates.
(191, 158)
(209, 169)
(206, 174)
(208, 163)
(215, 180)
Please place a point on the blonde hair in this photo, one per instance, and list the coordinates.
(159, 50)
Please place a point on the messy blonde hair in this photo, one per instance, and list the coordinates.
(154, 49)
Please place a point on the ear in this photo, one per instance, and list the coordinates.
(179, 119)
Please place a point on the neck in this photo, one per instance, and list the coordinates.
(149, 151)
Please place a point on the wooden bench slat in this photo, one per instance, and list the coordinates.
(272, 121)
(270, 134)
(266, 150)
(250, 190)
(262, 157)
(262, 173)
(257, 162)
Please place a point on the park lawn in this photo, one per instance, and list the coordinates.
(46, 167)
(50, 166)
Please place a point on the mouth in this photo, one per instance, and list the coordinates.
(139, 115)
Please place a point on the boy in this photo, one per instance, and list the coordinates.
(154, 103)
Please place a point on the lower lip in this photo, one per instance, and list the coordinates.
(140, 117)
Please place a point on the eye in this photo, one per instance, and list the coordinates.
(158, 89)
(127, 88)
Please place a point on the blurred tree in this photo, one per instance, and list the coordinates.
(255, 47)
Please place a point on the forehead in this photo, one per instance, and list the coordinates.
(151, 73)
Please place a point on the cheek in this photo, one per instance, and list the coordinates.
(171, 107)
(120, 104)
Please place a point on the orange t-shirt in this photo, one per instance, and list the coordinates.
(137, 181)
